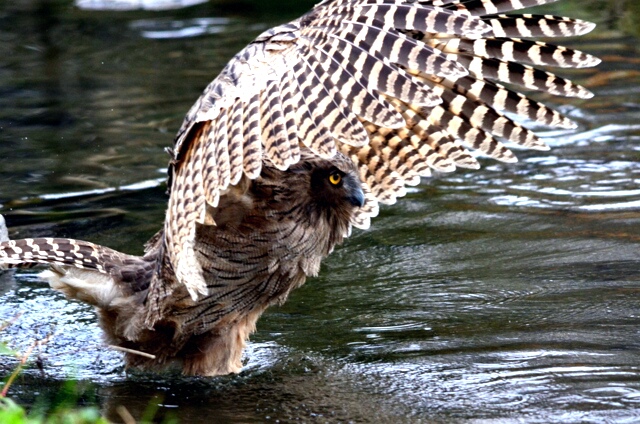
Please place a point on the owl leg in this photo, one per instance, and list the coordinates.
(219, 351)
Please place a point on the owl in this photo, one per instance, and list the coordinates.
(300, 138)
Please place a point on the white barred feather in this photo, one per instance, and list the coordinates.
(401, 87)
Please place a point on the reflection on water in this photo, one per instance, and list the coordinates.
(511, 292)
(170, 28)
(122, 5)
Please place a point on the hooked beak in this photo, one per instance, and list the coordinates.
(356, 197)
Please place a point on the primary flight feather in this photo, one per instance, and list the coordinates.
(298, 139)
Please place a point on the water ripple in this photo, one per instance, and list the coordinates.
(159, 29)
(124, 5)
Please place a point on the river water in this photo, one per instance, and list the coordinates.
(507, 294)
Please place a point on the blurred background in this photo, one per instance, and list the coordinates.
(508, 293)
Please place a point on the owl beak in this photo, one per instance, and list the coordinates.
(357, 196)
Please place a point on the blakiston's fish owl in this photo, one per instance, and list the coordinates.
(300, 137)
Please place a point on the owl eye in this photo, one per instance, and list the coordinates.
(335, 178)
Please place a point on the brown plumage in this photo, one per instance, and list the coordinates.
(298, 139)
(269, 234)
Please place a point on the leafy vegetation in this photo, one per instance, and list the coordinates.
(12, 413)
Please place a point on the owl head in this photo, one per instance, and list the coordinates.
(333, 184)
(324, 194)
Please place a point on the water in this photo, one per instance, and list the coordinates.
(509, 294)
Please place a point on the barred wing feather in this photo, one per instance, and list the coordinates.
(402, 87)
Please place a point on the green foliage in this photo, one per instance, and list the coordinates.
(5, 350)
(12, 413)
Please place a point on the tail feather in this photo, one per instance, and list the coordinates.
(134, 270)
(76, 253)
(129, 274)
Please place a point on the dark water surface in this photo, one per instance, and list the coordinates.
(506, 294)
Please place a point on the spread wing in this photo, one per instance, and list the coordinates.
(402, 87)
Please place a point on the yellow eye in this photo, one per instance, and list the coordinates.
(335, 178)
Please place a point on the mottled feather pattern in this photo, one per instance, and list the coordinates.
(277, 227)
(299, 138)
(252, 149)
(186, 207)
(236, 142)
(327, 50)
